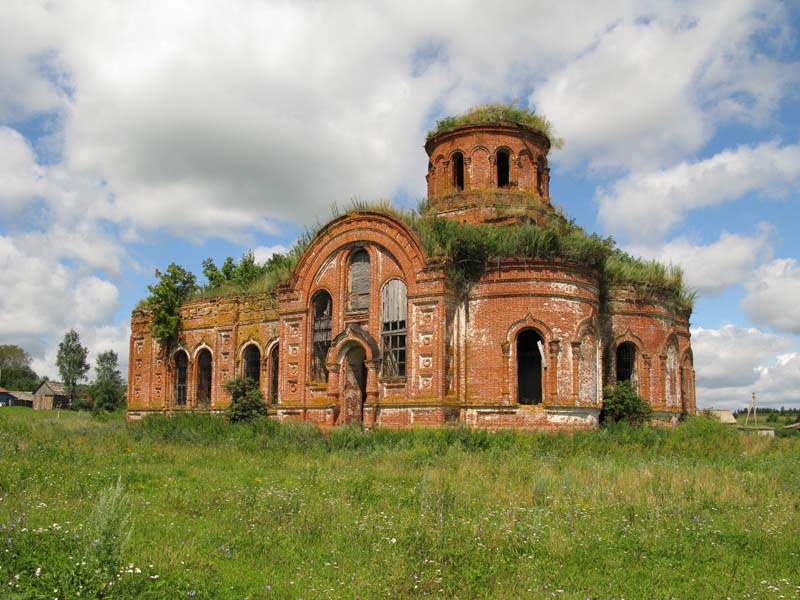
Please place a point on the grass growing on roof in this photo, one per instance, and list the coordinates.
(495, 113)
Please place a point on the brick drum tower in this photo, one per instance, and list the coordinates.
(372, 329)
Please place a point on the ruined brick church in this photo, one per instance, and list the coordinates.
(370, 331)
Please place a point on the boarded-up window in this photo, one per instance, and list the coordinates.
(626, 362)
(359, 280)
(321, 336)
(394, 313)
(252, 364)
(204, 378)
(181, 374)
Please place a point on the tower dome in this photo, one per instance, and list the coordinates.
(482, 168)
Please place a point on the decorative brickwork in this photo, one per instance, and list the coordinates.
(531, 346)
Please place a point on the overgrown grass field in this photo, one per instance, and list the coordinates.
(195, 507)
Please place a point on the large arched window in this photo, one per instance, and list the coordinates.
(394, 314)
(359, 280)
(540, 175)
(529, 367)
(503, 168)
(203, 377)
(181, 375)
(321, 336)
(458, 171)
(252, 364)
(626, 362)
(273, 375)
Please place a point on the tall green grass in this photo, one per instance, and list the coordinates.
(207, 509)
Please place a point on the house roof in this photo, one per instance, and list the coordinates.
(2, 390)
(22, 395)
(53, 388)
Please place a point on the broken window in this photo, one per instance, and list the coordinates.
(530, 360)
(458, 171)
(540, 175)
(204, 378)
(394, 313)
(252, 364)
(626, 362)
(359, 280)
(321, 336)
(181, 374)
(503, 168)
(273, 370)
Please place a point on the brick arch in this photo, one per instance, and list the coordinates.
(365, 228)
(201, 346)
(511, 154)
(479, 148)
(589, 324)
(352, 334)
(528, 322)
(243, 346)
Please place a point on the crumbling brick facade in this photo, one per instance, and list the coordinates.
(368, 330)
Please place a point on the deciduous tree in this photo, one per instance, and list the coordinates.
(71, 361)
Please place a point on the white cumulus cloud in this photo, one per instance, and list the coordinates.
(773, 295)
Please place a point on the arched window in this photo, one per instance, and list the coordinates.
(204, 378)
(626, 362)
(252, 364)
(458, 171)
(359, 280)
(540, 175)
(503, 168)
(181, 375)
(530, 361)
(321, 336)
(394, 313)
(273, 375)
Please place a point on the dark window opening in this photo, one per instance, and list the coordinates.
(529, 367)
(503, 169)
(321, 336)
(540, 176)
(458, 171)
(273, 373)
(626, 361)
(181, 375)
(252, 364)
(359, 280)
(204, 378)
(394, 314)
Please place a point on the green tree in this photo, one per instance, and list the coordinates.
(622, 403)
(15, 369)
(107, 389)
(71, 361)
(247, 403)
(241, 274)
(174, 287)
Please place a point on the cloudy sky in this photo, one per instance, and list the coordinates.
(134, 134)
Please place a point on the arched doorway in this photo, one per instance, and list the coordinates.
(354, 385)
(529, 367)
(252, 364)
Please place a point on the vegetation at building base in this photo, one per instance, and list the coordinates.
(622, 403)
(265, 510)
(495, 113)
(247, 403)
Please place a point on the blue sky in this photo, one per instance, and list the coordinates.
(133, 135)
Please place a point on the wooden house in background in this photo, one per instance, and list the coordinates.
(50, 395)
